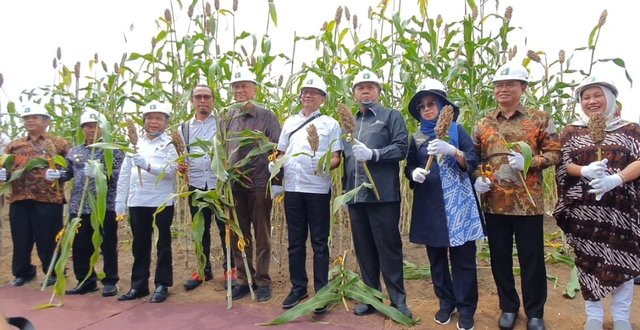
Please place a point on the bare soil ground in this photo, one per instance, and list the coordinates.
(560, 312)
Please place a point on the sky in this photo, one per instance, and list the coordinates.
(31, 31)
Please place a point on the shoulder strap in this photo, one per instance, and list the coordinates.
(302, 125)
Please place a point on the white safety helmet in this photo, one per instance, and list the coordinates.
(312, 80)
(595, 80)
(34, 109)
(243, 74)
(155, 106)
(366, 76)
(512, 71)
(91, 116)
(434, 86)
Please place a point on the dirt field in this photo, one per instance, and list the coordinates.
(560, 313)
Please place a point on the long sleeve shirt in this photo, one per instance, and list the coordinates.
(385, 132)
(299, 174)
(77, 159)
(200, 174)
(508, 195)
(158, 183)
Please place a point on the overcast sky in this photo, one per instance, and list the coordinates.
(31, 30)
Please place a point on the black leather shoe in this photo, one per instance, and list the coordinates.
(20, 281)
(293, 299)
(636, 280)
(321, 310)
(110, 290)
(239, 291)
(507, 321)
(84, 288)
(404, 309)
(160, 295)
(133, 294)
(195, 281)
(263, 293)
(535, 323)
(363, 309)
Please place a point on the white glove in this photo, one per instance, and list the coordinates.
(52, 175)
(3, 174)
(516, 160)
(362, 152)
(439, 147)
(121, 208)
(605, 184)
(482, 186)
(270, 166)
(139, 161)
(276, 191)
(88, 173)
(419, 174)
(595, 170)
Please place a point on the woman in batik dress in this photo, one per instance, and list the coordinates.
(598, 206)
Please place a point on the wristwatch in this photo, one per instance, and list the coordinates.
(459, 153)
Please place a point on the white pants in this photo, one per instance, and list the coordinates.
(621, 299)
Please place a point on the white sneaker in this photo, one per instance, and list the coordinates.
(593, 324)
(621, 325)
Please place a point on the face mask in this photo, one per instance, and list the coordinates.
(154, 134)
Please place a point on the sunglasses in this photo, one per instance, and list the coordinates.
(424, 106)
(205, 97)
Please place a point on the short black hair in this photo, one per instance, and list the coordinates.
(202, 85)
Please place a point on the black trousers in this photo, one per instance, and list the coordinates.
(83, 249)
(308, 213)
(141, 219)
(378, 246)
(33, 222)
(206, 238)
(458, 288)
(529, 238)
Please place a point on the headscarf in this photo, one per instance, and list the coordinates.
(611, 114)
(427, 127)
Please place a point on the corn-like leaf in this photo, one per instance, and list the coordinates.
(526, 152)
(343, 199)
(573, 286)
(112, 146)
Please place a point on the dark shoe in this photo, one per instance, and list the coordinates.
(321, 310)
(51, 280)
(636, 280)
(109, 290)
(20, 281)
(466, 322)
(443, 316)
(293, 299)
(234, 278)
(195, 280)
(84, 288)
(263, 293)
(133, 294)
(507, 321)
(405, 310)
(239, 291)
(363, 309)
(160, 295)
(535, 323)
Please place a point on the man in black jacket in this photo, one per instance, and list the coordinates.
(380, 141)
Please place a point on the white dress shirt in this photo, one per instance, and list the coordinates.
(200, 174)
(158, 183)
(298, 172)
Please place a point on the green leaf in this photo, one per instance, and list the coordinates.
(343, 199)
(112, 146)
(272, 13)
(573, 286)
(526, 152)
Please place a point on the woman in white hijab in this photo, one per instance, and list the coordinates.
(598, 206)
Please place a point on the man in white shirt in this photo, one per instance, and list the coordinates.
(142, 192)
(307, 186)
(203, 126)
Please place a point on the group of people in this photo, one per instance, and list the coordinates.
(466, 186)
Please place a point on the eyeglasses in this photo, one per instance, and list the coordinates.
(507, 85)
(205, 97)
(423, 106)
(310, 92)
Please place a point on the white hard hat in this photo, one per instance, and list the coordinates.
(34, 109)
(366, 76)
(91, 116)
(434, 86)
(155, 106)
(243, 74)
(312, 80)
(595, 80)
(511, 71)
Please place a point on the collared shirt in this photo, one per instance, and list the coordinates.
(158, 183)
(299, 175)
(508, 195)
(77, 160)
(4, 142)
(253, 119)
(32, 185)
(200, 174)
(385, 132)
